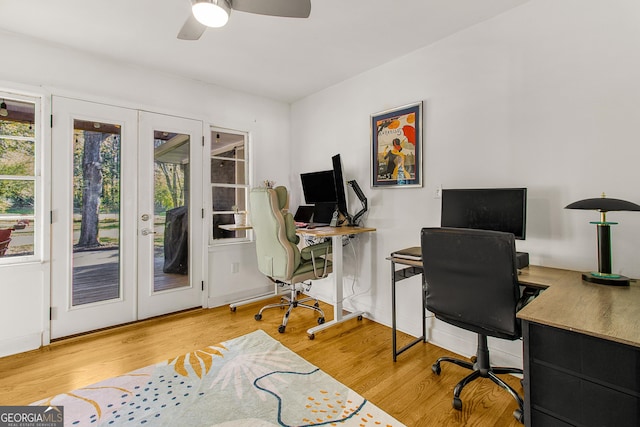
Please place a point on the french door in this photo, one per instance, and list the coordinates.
(125, 242)
(171, 239)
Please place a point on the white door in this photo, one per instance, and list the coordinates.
(93, 230)
(112, 192)
(171, 242)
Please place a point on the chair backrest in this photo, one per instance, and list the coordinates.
(472, 279)
(5, 233)
(277, 256)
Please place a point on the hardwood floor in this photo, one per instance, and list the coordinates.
(357, 353)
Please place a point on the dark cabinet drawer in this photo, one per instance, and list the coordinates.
(540, 419)
(573, 398)
(600, 360)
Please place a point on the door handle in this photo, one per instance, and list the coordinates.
(147, 231)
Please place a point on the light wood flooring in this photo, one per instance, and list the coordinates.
(357, 353)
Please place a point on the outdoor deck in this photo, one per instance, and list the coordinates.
(97, 277)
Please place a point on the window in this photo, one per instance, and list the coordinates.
(229, 183)
(19, 177)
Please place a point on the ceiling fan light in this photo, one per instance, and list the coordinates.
(212, 13)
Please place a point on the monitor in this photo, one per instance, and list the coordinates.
(340, 183)
(498, 209)
(319, 187)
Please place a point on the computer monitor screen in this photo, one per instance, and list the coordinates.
(341, 194)
(319, 187)
(498, 209)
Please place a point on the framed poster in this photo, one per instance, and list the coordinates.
(396, 147)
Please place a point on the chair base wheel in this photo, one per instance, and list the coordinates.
(518, 414)
(436, 368)
(320, 320)
(457, 403)
(233, 309)
(258, 316)
(311, 336)
(281, 329)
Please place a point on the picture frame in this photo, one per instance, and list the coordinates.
(396, 147)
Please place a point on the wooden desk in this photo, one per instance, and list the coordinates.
(235, 227)
(607, 312)
(336, 234)
(581, 351)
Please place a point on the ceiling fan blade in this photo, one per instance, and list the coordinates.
(286, 8)
(192, 29)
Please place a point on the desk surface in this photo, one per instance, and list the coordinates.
(609, 312)
(333, 231)
(234, 227)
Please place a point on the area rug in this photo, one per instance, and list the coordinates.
(251, 381)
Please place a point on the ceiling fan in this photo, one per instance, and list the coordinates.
(215, 13)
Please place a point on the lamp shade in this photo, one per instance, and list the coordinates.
(604, 204)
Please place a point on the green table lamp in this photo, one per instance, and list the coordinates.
(603, 204)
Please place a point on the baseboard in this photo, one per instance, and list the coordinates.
(221, 300)
(20, 344)
(463, 344)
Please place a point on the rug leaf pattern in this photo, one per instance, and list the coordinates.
(251, 381)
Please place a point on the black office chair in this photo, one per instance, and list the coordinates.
(472, 282)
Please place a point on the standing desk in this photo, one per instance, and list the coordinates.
(336, 234)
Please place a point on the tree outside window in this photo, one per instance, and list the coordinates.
(18, 173)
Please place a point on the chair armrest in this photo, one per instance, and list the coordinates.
(528, 295)
(319, 249)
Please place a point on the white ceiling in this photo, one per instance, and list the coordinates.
(280, 58)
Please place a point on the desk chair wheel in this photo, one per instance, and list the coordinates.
(311, 336)
(360, 317)
(281, 328)
(233, 309)
(519, 415)
(258, 316)
(320, 320)
(457, 403)
(436, 368)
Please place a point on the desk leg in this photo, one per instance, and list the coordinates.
(338, 317)
(393, 311)
(423, 338)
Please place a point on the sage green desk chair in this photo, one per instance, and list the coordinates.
(279, 257)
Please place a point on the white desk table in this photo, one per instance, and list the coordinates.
(336, 234)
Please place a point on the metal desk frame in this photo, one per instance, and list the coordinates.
(412, 268)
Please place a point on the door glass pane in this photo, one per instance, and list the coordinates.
(171, 219)
(96, 212)
(17, 179)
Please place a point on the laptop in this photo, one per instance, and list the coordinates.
(322, 215)
(303, 215)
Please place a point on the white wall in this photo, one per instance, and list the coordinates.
(44, 70)
(545, 96)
